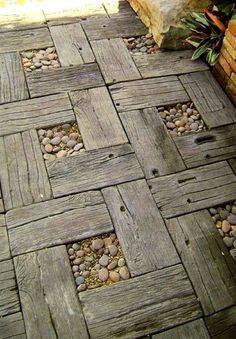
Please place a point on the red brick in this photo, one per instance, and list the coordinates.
(232, 27)
(224, 64)
(231, 91)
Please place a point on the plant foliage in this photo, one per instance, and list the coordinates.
(208, 29)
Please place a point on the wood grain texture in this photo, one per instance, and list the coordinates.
(97, 118)
(23, 174)
(25, 40)
(12, 80)
(194, 330)
(64, 79)
(167, 63)
(63, 227)
(4, 243)
(209, 99)
(9, 300)
(194, 189)
(140, 229)
(12, 326)
(222, 324)
(54, 207)
(93, 170)
(48, 296)
(71, 44)
(153, 302)
(208, 263)
(35, 113)
(207, 147)
(115, 27)
(152, 143)
(232, 163)
(1, 202)
(147, 93)
(115, 60)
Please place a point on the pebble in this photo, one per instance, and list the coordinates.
(228, 241)
(78, 261)
(114, 276)
(233, 209)
(78, 146)
(170, 125)
(80, 253)
(124, 273)
(104, 260)
(97, 244)
(107, 241)
(82, 267)
(225, 226)
(75, 268)
(121, 262)
(112, 265)
(40, 60)
(56, 141)
(232, 219)
(79, 280)
(71, 143)
(103, 274)
(76, 247)
(224, 214)
(194, 126)
(85, 274)
(141, 45)
(113, 250)
(48, 148)
(81, 287)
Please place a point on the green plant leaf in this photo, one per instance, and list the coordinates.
(200, 17)
(202, 48)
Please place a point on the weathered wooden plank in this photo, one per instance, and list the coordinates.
(12, 326)
(64, 79)
(115, 27)
(207, 147)
(4, 243)
(209, 99)
(232, 163)
(25, 40)
(71, 44)
(194, 189)
(48, 296)
(9, 300)
(152, 143)
(54, 207)
(115, 61)
(12, 80)
(22, 173)
(135, 217)
(153, 301)
(222, 325)
(208, 263)
(148, 93)
(194, 330)
(66, 225)
(1, 202)
(94, 169)
(97, 118)
(35, 113)
(168, 63)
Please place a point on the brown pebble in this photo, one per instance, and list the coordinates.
(114, 276)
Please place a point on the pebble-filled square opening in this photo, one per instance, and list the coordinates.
(144, 44)
(40, 60)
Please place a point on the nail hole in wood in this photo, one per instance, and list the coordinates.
(207, 156)
(189, 200)
(110, 156)
(204, 139)
(187, 242)
(117, 104)
(155, 172)
(122, 208)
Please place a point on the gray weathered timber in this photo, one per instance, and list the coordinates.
(25, 40)
(22, 173)
(70, 225)
(207, 147)
(93, 169)
(115, 60)
(35, 113)
(209, 98)
(137, 226)
(148, 93)
(1, 202)
(232, 163)
(208, 263)
(71, 44)
(64, 79)
(51, 208)
(9, 300)
(116, 27)
(222, 325)
(194, 189)
(194, 330)
(167, 63)
(12, 80)
(153, 302)
(97, 118)
(12, 326)
(152, 143)
(4, 243)
(48, 296)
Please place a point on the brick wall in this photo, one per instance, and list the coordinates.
(225, 70)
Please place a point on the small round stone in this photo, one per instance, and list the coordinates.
(71, 251)
(48, 148)
(103, 274)
(56, 141)
(65, 139)
(88, 258)
(224, 213)
(76, 247)
(112, 265)
(228, 241)
(71, 143)
(232, 219)
(85, 274)
(75, 268)
(124, 273)
(61, 154)
(78, 261)
(194, 126)
(114, 276)
(78, 146)
(66, 127)
(38, 64)
(79, 280)
(225, 226)
(121, 262)
(97, 267)
(80, 253)
(104, 260)
(48, 156)
(81, 287)
(213, 211)
(46, 141)
(82, 267)
(113, 250)
(97, 244)
(233, 210)
(170, 125)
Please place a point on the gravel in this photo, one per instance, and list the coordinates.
(40, 60)
(144, 44)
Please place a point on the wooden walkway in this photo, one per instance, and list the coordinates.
(134, 178)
